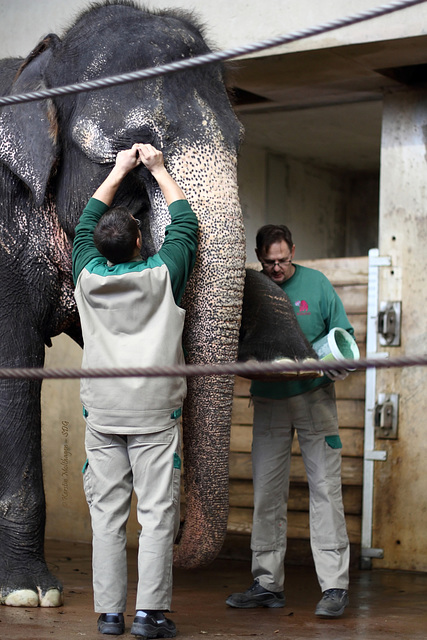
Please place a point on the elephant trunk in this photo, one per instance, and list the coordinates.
(213, 301)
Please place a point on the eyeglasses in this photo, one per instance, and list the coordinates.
(270, 264)
(138, 222)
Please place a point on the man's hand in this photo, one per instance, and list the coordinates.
(125, 161)
(151, 157)
(128, 159)
(335, 374)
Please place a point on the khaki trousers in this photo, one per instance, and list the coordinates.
(313, 416)
(150, 465)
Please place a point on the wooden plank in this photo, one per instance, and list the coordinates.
(240, 521)
(350, 412)
(353, 387)
(242, 495)
(241, 438)
(241, 387)
(351, 438)
(362, 349)
(242, 413)
(343, 271)
(241, 468)
(354, 298)
(337, 270)
(358, 322)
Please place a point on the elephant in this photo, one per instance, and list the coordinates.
(53, 155)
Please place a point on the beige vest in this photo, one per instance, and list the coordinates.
(130, 319)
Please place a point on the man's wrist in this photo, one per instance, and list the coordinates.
(159, 172)
(117, 174)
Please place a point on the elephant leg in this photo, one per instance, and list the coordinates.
(24, 577)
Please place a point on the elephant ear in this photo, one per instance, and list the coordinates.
(28, 130)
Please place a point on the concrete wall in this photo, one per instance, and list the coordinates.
(400, 521)
(63, 447)
(330, 213)
(229, 24)
(362, 213)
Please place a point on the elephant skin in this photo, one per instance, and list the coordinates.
(269, 329)
(53, 155)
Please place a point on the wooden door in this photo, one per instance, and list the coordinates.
(350, 279)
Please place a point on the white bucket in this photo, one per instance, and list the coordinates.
(337, 345)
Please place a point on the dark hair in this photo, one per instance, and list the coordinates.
(116, 234)
(271, 233)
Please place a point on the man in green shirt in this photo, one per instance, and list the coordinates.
(308, 407)
(130, 316)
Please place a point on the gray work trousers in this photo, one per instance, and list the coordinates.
(150, 465)
(313, 416)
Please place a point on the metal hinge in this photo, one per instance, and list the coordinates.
(386, 415)
(389, 320)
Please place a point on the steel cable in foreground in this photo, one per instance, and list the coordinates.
(216, 56)
(244, 369)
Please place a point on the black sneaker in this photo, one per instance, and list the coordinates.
(256, 596)
(333, 603)
(153, 625)
(112, 624)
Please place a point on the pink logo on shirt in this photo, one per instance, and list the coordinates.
(303, 308)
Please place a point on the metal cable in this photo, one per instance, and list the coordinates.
(244, 369)
(216, 56)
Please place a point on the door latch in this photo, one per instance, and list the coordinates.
(386, 415)
(389, 320)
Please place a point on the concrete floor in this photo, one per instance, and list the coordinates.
(383, 604)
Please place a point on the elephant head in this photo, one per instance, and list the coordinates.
(55, 153)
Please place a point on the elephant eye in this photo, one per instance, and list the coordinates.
(126, 138)
(88, 135)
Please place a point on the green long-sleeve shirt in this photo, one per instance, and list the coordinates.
(178, 251)
(130, 317)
